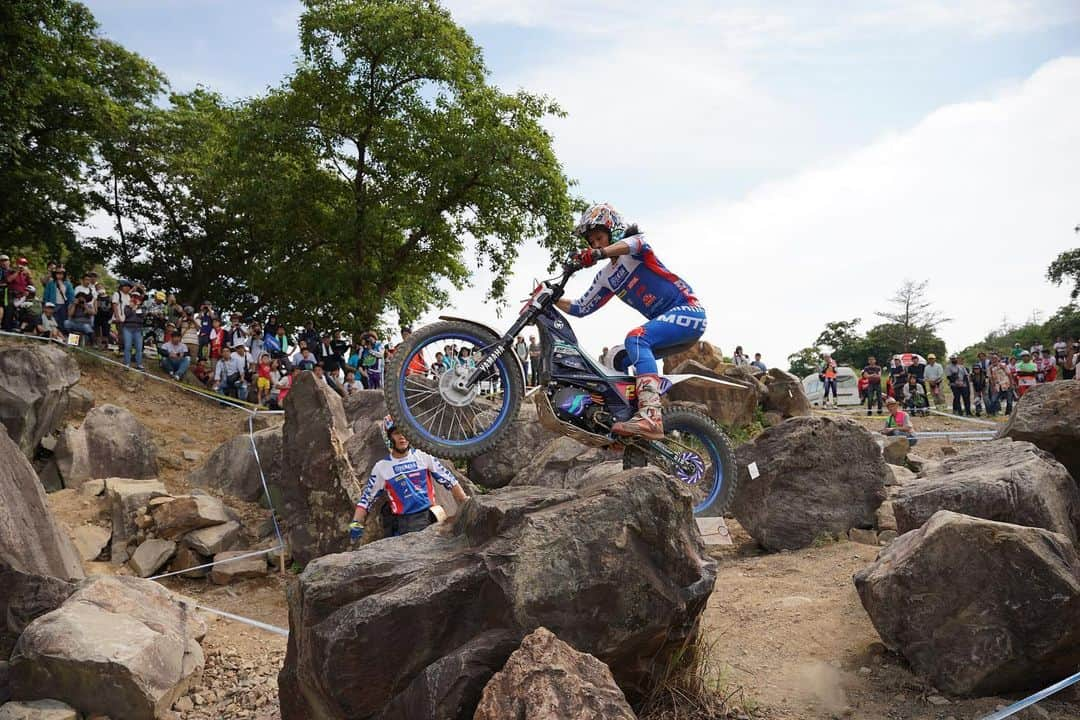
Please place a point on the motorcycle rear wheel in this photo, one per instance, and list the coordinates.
(695, 433)
(421, 401)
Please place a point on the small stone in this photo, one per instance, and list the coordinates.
(865, 670)
(155, 502)
(90, 540)
(863, 536)
(37, 710)
(886, 536)
(144, 521)
(184, 704)
(937, 700)
(949, 451)
(151, 555)
(193, 455)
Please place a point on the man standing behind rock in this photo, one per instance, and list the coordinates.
(406, 478)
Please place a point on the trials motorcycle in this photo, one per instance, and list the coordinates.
(454, 387)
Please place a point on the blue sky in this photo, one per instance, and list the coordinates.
(795, 161)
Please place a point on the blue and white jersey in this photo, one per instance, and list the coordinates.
(640, 280)
(407, 482)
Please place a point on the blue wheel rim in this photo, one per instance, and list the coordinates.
(416, 426)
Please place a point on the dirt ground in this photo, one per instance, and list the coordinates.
(786, 629)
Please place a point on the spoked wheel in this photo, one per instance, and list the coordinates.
(428, 396)
(700, 456)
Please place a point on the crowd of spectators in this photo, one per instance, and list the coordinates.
(991, 384)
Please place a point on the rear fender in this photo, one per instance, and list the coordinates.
(482, 326)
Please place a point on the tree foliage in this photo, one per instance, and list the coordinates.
(804, 362)
(913, 315)
(63, 90)
(1066, 269)
(426, 170)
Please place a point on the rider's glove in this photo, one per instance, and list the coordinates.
(588, 258)
(356, 530)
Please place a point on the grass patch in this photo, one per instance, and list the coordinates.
(694, 686)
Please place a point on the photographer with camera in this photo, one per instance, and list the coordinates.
(81, 317)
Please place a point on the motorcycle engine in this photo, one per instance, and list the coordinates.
(570, 403)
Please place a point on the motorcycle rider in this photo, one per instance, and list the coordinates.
(405, 475)
(636, 275)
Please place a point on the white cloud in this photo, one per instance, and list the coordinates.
(978, 197)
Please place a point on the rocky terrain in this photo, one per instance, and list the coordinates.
(566, 587)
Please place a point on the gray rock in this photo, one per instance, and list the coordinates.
(92, 488)
(1049, 416)
(563, 463)
(817, 476)
(230, 570)
(111, 442)
(150, 556)
(185, 513)
(90, 540)
(80, 402)
(732, 404)
(518, 558)
(899, 476)
(863, 536)
(126, 499)
(525, 438)
(120, 633)
(213, 540)
(25, 597)
(31, 541)
(192, 455)
(978, 607)
(886, 518)
(1002, 480)
(895, 449)
(232, 468)
(316, 479)
(5, 681)
(37, 710)
(785, 394)
(546, 679)
(35, 386)
(364, 408)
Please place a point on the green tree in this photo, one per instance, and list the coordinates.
(1066, 268)
(62, 89)
(167, 181)
(843, 340)
(884, 341)
(804, 362)
(430, 170)
(913, 315)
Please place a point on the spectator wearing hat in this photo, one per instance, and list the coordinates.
(934, 375)
(86, 285)
(1027, 373)
(120, 300)
(898, 422)
(131, 329)
(103, 316)
(175, 356)
(27, 311)
(17, 281)
(60, 293)
(47, 325)
(81, 317)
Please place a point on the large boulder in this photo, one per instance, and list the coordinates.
(38, 710)
(232, 468)
(31, 541)
(618, 571)
(26, 597)
(978, 607)
(1013, 482)
(732, 403)
(364, 407)
(214, 539)
(127, 500)
(176, 518)
(121, 633)
(703, 353)
(525, 438)
(1049, 416)
(817, 476)
(35, 384)
(784, 394)
(546, 679)
(565, 463)
(111, 442)
(317, 484)
(151, 555)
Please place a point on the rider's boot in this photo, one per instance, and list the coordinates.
(648, 422)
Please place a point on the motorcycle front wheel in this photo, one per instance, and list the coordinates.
(427, 397)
